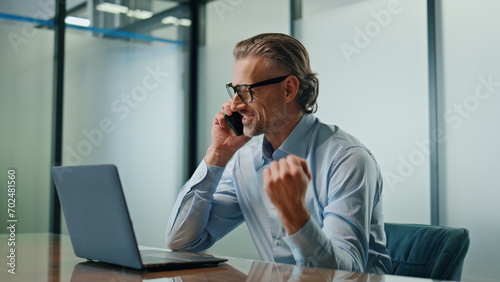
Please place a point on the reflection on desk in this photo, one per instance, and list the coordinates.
(94, 271)
(259, 271)
(49, 257)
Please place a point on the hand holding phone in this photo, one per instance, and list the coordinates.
(224, 144)
(235, 122)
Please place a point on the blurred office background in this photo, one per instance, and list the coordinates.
(418, 82)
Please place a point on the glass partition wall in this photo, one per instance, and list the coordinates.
(124, 95)
(26, 52)
(124, 102)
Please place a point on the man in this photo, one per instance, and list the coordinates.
(310, 193)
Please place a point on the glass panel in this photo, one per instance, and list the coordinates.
(149, 21)
(469, 115)
(371, 57)
(124, 104)
(41, 9)
(26, 122)
(228, 22)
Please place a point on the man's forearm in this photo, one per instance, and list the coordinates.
(186, 227)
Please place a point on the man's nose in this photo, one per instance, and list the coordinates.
(237, 104)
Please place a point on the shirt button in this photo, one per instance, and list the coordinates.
(277, 242)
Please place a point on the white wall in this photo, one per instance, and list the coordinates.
(124, 105)
(470, 116)
(371, 57)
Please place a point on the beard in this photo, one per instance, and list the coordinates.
(275, 123)
(253, 129)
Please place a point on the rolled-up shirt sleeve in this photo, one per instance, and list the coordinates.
(206, 209)
(339, 238)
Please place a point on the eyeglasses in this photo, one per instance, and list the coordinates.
(244, 91)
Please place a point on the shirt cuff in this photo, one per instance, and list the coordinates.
(205, 174)
(304, 243)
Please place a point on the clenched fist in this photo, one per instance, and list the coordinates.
(285, 183)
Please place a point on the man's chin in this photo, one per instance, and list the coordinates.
(250, 131)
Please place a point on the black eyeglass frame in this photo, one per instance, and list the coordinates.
(237, 88)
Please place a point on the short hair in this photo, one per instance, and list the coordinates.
(283, 52)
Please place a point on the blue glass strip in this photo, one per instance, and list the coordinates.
(110, 32)
(27, 19)
(124, 34)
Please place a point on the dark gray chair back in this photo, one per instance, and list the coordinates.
(427, 251)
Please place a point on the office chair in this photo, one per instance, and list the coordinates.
(427, 251)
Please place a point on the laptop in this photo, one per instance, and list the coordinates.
(99, 224)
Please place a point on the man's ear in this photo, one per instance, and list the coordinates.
(291, 88)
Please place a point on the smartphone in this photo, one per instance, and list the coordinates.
(235, 122)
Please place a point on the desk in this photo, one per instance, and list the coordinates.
(49, 257)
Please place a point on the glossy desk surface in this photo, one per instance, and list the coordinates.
(49, 257)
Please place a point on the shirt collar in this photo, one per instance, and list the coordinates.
(296, 143)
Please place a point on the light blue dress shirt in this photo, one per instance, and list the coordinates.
(346, 227)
